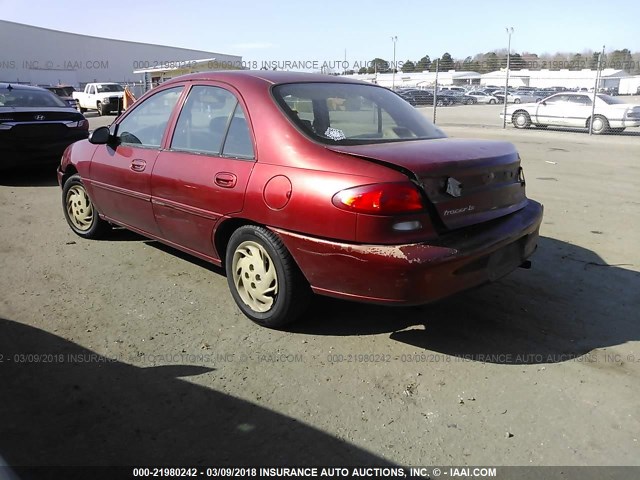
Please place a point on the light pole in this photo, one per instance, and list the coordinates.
(595, 91)
(506, 83)
(394, 39)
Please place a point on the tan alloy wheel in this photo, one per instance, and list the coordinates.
(79, 208)
(254, 276)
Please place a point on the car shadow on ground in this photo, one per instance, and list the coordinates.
(570, 303)
(65, 405)
(627, 133)
(36, 176)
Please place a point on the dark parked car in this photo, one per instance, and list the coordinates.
(65, 93)
(36, 126)
(277, 178)
(417, 97)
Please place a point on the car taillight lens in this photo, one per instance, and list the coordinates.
(380, 199)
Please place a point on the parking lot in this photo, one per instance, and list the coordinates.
(102, 341)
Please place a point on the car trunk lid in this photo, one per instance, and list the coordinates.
(466, 181)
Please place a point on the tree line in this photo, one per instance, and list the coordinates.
(495, 60)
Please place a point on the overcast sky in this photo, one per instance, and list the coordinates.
(323, 30)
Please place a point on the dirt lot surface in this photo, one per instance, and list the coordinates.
(127, 352)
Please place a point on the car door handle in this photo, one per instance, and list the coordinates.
(226, 180)
(138, 165)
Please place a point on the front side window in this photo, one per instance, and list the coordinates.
(557, 99)
(352, 114)
(145, 125)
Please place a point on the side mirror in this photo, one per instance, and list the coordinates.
(100, 136)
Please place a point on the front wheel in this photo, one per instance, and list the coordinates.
(79, 211)
(521, 119)
(517, 100)
(264, 280)
(492, 102)
(440, 103)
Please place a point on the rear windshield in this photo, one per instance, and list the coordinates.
(352, 114)
(608, 99)
(16, 97)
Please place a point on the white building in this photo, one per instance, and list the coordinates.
(629, 85)
(41, 56)
(420, 79)
(555, 78)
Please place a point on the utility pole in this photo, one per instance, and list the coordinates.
(394, 39)
(595, 91)
(506, 83)
(435, 90)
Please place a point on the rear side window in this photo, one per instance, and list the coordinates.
(212, 122)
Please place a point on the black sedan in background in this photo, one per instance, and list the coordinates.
(417, 97)
(36, 126)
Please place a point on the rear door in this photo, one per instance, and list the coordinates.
(203, 174)
(120, 175)
(578, 110)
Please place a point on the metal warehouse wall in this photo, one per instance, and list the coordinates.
(41, 56)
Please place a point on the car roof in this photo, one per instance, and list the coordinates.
(267, 76)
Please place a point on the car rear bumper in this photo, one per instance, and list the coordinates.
(35, 152)
(418, 273)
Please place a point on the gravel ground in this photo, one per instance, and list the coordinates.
(125, 351)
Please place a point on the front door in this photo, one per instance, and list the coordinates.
(120, 175)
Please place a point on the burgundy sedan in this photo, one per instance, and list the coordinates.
(298, 183)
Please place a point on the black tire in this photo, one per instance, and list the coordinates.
(440, 102)
(600, 125)
(80, 109)
(492, 102)
(79, 211)
(516, 100)
(253, 251)
(102, 110)
(521, 119)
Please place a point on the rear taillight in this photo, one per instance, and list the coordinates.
(380, 199)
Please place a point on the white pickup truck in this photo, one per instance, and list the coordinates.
(103, 97)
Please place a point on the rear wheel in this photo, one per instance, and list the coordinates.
(440, 103)
(492, 101)
(264, 280)
(79, 211)
(517, 100)
(521, 119)
(600, 125)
